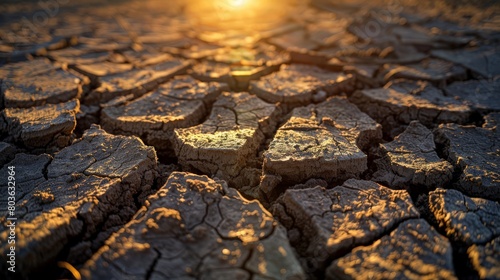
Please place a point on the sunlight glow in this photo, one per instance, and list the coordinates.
(236, 3)
(239, 15)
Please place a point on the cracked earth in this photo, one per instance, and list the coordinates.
(284, 140)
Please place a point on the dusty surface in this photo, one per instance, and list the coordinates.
(192, 228)
(325, 224)
(491, 121)
(411, 159)
(301, 84)
(228, 141)
(475, 152)
(79, 194)
(432, 70)
(7, 152)
(27, 69)
(473, 223)
(430, 256)
(320, 141)
(481, 60)
(182, 102)
(298, 139)
(50, 87)
(135, 81)
(41, 127)
(402, 101)
(479, 94)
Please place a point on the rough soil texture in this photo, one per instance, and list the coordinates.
(491, 121)
(411, 159)
(47, 88)
(473, 222)
(136, 81)
(430, 256)
(28, 68)
(237, 67)
(478, 94)
(195, 227)
(77, 195)
(481, 60)
(281, 139)
(41, 127)
(474, 151)
(301, 84)
(182, 102)
(320, 141)
(432, 70)
(402, 101)
(228, 141)
(325, 224)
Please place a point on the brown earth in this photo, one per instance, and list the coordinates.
(251, 139)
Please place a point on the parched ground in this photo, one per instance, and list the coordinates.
(250, 139)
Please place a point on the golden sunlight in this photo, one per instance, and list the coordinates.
(236, 3)
(231, 14)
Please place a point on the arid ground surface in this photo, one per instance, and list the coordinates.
(251, 139)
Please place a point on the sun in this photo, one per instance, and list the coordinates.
(236, 3)
(239, 15)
